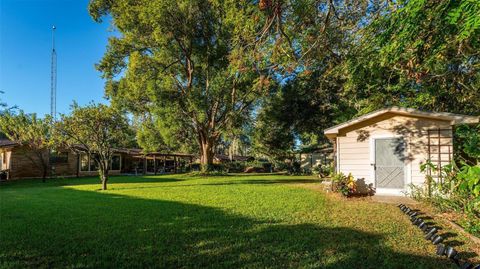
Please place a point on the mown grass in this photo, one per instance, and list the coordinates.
(258, 221)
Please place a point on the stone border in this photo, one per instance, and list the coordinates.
(460, 229)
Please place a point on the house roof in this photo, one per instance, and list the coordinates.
(454, 119)
(139, 153)
(4, 143)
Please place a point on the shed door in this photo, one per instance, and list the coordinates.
(389, 163)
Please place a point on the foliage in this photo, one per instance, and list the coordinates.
(33, 134)
(420, 54)
(458, 190)
(96, 130)
(216, 171)
(273, 136)
(191, 65)
(323, 170)
(235, 167)
(346, 185)
(468, 138)
(312, 41)
(171, 221)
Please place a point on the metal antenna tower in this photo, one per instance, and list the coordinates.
(53, 79)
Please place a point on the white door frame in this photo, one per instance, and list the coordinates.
(407, 166)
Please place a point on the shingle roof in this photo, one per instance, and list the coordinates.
(7, 143)
(453, 118)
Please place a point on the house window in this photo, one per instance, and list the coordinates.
(84, 162)
(59, 157)
(115, 162)
(93, 163)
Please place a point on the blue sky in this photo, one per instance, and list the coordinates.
(25, 53)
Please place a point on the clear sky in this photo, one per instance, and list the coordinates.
(25, 53)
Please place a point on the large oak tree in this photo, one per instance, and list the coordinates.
(193, 68)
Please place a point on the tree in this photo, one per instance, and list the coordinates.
(34, 136)
(467, 143)
(96, 130)
(273, 136)
(421, 54)
(191, 65)
(352, 57)
(313, 42)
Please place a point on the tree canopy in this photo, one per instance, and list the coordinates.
(32, 134)
(194, 72)
(189, 67)
(96, 130)
(422, 54)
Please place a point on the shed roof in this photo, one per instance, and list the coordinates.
(454, 119)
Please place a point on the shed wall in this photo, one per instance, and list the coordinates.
(355, 144)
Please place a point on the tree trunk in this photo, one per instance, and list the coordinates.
(45, 166)
(44, 176)
(104, 179)
(104, 183)
(206, 158)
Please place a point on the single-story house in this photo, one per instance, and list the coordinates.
(18, 162)
(385, 148)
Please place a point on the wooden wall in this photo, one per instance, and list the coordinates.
(355, 144)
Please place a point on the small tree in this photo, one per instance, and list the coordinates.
(97, 130)
(32, 134)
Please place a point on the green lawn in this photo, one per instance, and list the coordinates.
(258, 221)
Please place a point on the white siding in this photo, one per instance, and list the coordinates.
(355, 145)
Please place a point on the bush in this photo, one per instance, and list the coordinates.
(458, 191)
(346, 185)
(258, 167)
(323, 170)
(235, 167)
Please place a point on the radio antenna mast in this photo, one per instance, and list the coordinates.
(53, 79)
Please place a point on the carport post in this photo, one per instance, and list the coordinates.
(164, 163)
(144, 165)
(154, 164)
(175, 164)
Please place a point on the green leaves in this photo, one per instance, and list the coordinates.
(187, 65)
(27, 129)
(96, 127)
(469, 140)
(419, 54)
(466, 15)
(470, 179)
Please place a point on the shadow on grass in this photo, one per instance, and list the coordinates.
(76, 181)
(259, 182)
(72, 228)
(450, 239)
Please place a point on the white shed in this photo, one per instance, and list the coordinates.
(385, 148)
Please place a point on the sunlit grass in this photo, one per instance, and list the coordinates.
(262, 221)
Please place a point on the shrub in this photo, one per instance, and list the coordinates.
(458, 191)
(346, 185)
(258, 167)
(323, 170)
(235, 167)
